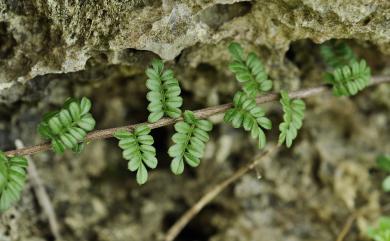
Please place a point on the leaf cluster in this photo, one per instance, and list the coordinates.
(190, 141)
(382, 231)
(12, 178)
(164, 94)
(68, 127)
(337, 54)
(246, 113)
(292, 118)
(249, 71)
(349, 79)
(165, 100)
(138, 150)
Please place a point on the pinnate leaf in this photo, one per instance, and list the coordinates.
(189, 142)
(68, 127)
(164, 92)
(138, 149)
(293, 114)
(13, 176)
(245, 113)
(250, 72)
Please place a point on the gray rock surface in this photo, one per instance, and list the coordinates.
(40, 37)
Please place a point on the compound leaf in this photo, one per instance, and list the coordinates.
(190, 141)
(138, 149)
(292, 118)
(164, 92)
(12, 179)
(245, 113)
(337, 54)
(349, 79)
(250, 72)
(68, 127)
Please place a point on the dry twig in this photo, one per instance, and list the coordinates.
(41, 194)
(210, 195)
(347, 227)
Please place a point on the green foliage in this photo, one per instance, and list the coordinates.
(138, 150)
(349, 76)
(190, 141)
(383, 162)
(337, 54)
(250, 71)
(246, 113)
(12, 179)
(292, 118)
(386, 184)
(382, 232)
(349, 79)
(68, 127)
(164, 94)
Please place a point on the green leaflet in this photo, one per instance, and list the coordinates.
(164, 92)
(383, 162)
(68, 127)
(246, 113)
(382, 231)
(138, 150)
(190, 141)
(349, 79)
(337, 54)
(249, 72)
(12, 178)
(292, 118)
(386, 184)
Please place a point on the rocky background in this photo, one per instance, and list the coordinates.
(50, 50)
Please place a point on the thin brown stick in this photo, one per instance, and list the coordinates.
(347, 227)
(42, 196)
(202, 113)
(210, 195)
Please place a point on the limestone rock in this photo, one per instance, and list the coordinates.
(39, 37)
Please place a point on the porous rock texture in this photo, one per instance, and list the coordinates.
(50, 50)
(41, 37)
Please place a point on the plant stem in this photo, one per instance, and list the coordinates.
(202, 114)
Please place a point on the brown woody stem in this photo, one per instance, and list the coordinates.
(202, 113)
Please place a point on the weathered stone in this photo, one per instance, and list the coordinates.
(41, 37)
